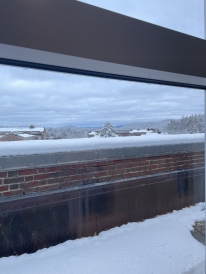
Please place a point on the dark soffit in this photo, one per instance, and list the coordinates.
(76, 29)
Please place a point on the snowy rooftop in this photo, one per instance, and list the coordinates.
(88, 144)
(162, 245)
(21, 129)
(140, 130)
(25, 135)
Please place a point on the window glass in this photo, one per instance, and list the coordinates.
(95, 170)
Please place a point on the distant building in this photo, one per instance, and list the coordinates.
(122, 132)
(22, 133)
(10, 137)
(138, 132)
(126, 132)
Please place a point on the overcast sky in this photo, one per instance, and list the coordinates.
(53, 99)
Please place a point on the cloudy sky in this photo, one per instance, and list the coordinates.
(53, 99)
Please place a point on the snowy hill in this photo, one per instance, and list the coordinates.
(70, 132)
(187, 124)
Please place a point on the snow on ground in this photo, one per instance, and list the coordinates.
(66, 145)
(162, 245)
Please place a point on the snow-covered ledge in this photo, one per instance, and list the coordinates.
(50, 152)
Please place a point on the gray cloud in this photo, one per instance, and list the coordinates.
(46, 98)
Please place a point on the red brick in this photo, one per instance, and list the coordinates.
(12, 193)
(28, 178)
(172, 168)
(163, 166)
(4, 188)
(55, 186)
(42, 182)
(66, 167)
(55, 180)
(3, 174)
(30, 190)
(143, 163)
(27, 172)
(13, 180)
(129, 175)
(136, 160)
(12, 173)
(155, 157)
(103, 163)
(153, 167)
(68, 184)
(81, 170)
(109, 162)
(42, 170)
(56, 174)
(119, 177)
(29, 184)
(75, 166)
(120, 166)
(129, 165)
(93, 169)
(67, 173)
(116, 162)
(78, 177)
(159, 170)
(111, 178)
(159, 161)
(55, 168)
(170, 160)
(102, 174)
(42, 176)
(44, 188)
(116, 172)
(145, 172)
(14, 186)
(135, 169)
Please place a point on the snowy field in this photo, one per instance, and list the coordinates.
(163, 245)
(66, 145)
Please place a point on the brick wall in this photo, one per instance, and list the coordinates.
(26, 181)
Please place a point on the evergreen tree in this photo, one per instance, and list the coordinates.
(187, 124)
(107, 131)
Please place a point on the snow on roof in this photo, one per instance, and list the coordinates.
(21, 129)
(86, 144)
(140, 130)
(25, 135)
